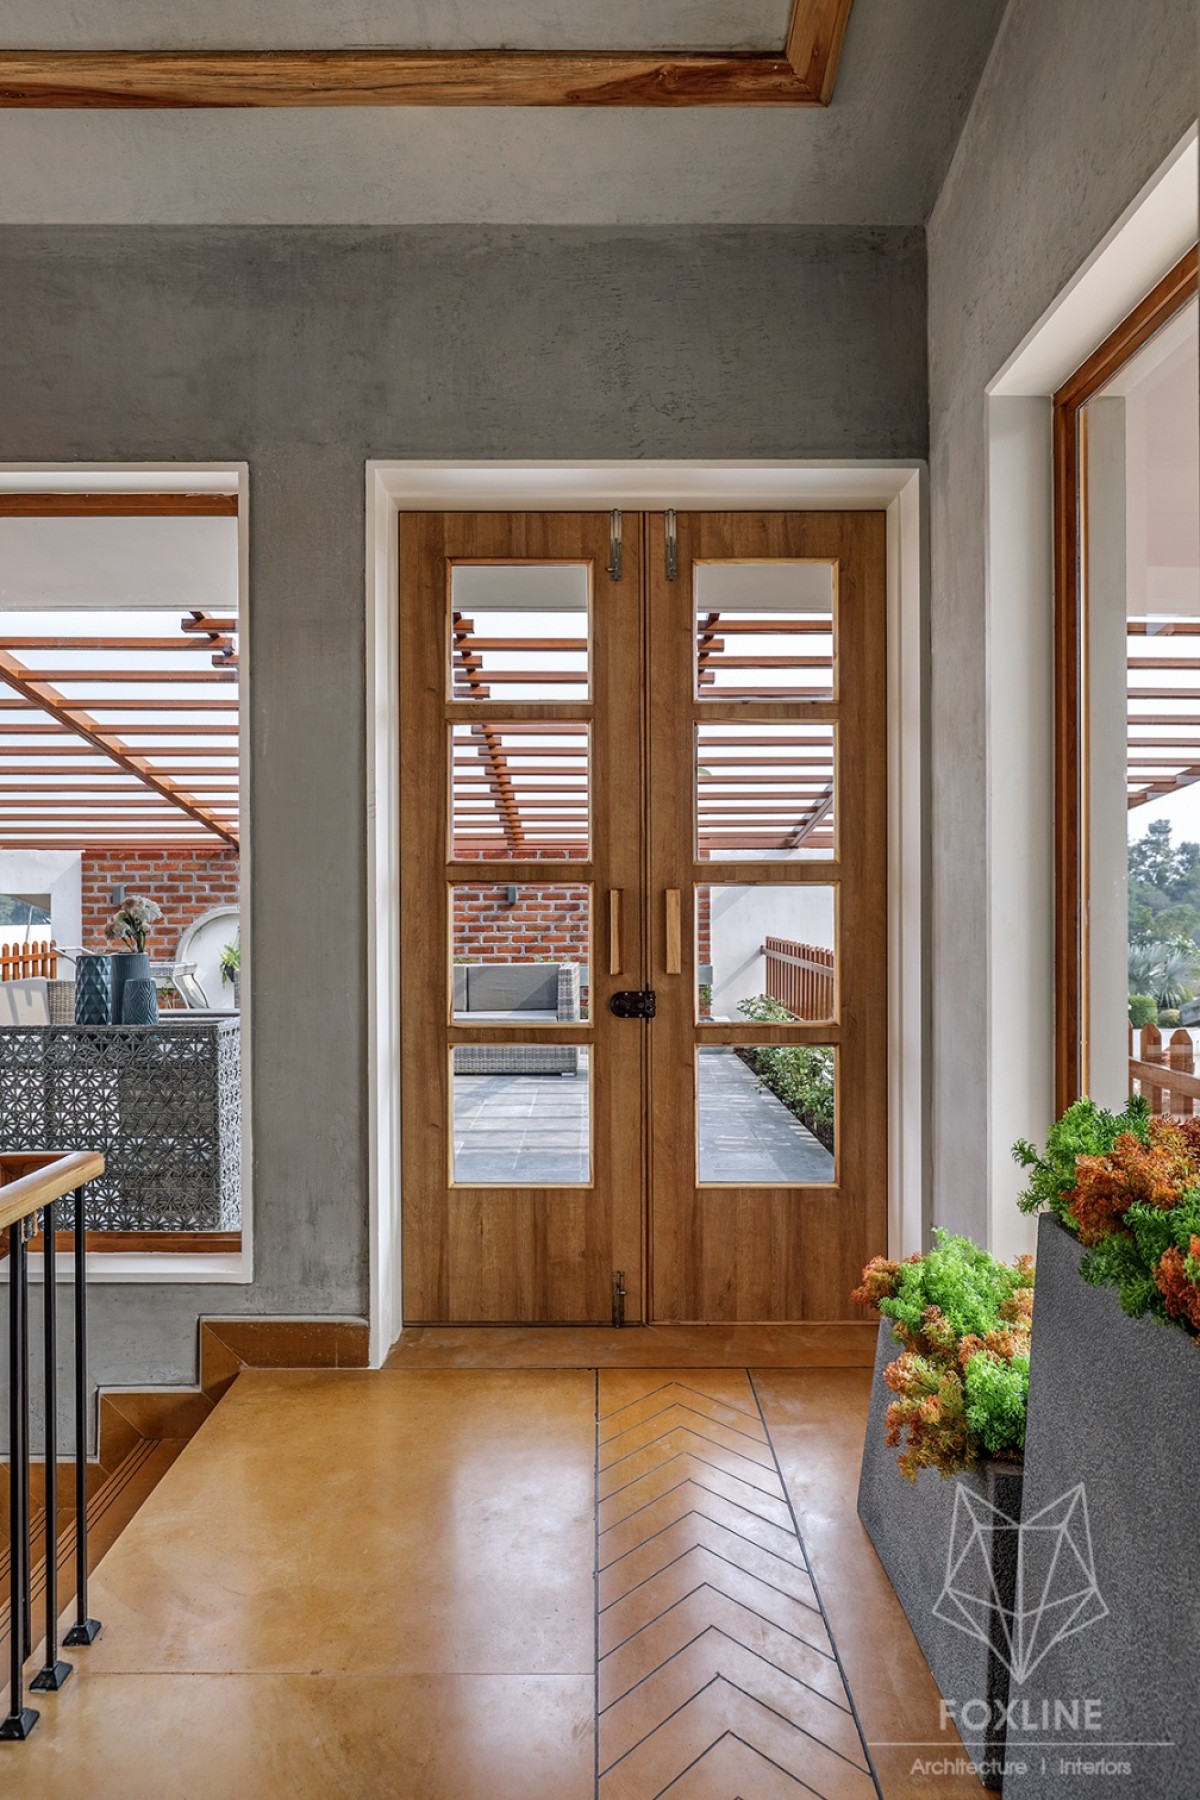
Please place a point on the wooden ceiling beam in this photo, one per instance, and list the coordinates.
(802, 74)
(209, 624)
(112, 840)
(159, 704)
(67, 784)
(252, 78)
(165, 751)
(814, 44)
(116, 506)
(109, 676)
(181, 646)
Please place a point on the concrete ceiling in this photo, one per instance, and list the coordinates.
(875, 157)
(397, 24)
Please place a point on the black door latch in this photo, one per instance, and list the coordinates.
(634, 1003)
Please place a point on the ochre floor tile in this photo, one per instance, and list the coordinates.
(736, 1439)
(662, 1694)
(360, 1584)
(647, 1559)
(356, 1520)
(309, 1737)
(696, 1568)
(762, 1498)
(680, 1740)
(817, 1423)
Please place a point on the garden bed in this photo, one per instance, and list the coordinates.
(800, 1075)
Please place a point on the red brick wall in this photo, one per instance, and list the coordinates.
(185, 883)
(703, 925)
(547, 924)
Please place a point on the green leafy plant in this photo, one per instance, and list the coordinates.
(231, 960)
(800, 1075)
(1085, 1129)
(961, 1381)
(1169, 1016)
(1143, 1010)
(1128, 1186)
(1164, 968)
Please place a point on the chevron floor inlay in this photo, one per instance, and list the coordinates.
(717, 1678)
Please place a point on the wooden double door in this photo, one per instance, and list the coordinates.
(643, 914)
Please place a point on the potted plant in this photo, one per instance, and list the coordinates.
(135, 1001)
(1114, 1417)
(949, 1394)
(231, 968)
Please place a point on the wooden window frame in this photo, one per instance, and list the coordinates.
(1071, 875)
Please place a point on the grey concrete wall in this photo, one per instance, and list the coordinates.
(1079, 104)
(307, 351)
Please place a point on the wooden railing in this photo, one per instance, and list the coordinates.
(800, 977)
(32, 1185)
(20, 961)
(1165, 1074)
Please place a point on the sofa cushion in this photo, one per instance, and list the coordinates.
(512, 987)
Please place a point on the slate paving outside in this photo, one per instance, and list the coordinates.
(532, 1129)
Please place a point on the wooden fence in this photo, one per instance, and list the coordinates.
(19, 961)
(800, 977)
(1165, 1073)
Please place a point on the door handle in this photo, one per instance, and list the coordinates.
(614, 931)
(674, 920)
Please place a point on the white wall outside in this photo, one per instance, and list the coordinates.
(742, 918)
(58, 873)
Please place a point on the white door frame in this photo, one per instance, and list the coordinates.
(900, 489)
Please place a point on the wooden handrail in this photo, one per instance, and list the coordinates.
(53, 1173)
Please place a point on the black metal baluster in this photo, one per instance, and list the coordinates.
(53, 1672)
(26, 1510)
(84, 1630)
(21, 1719)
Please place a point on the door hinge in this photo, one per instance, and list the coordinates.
(618, 1292)
(613, 565)
(634, 1003)
(672, 546)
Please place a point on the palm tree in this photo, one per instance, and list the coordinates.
(1165, 970)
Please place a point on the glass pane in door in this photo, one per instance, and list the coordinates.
(522, 1115)
(520, 953)
(765, 1115)
(765, 630)
(519, 631)
(520, 791)
(766, 792)
(766, 953)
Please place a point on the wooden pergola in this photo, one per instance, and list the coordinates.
(1164, 707)
(124, 737)
(521, 789)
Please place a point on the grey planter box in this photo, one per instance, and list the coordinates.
(1114, 1404)
(913, 1527)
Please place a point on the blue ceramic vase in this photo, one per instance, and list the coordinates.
(127, 966)
(93, 990)
(139, 1001)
